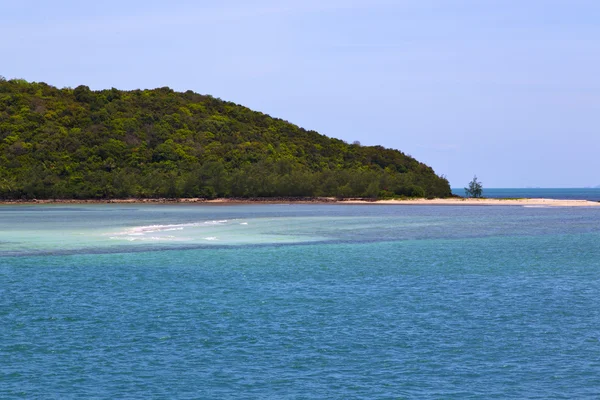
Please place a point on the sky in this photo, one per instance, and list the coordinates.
(508, 90)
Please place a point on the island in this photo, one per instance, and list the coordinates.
(81, 144)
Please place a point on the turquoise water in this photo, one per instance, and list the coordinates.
(592, 194)
(299, 301)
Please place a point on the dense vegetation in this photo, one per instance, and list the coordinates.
(83, 144)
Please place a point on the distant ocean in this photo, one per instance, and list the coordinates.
(592, 194)
(301, 301)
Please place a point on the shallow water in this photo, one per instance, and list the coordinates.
(299, 301)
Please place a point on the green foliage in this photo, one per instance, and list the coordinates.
(475, 188)
(84, 144)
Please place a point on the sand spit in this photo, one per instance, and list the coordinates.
(331, 200)
(487, 202)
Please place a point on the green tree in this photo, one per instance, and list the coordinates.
(475, 188)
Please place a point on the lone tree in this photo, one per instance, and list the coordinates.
(475, 189)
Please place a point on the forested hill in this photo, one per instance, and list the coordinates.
(83, 144)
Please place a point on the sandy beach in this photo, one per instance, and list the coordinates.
(328, 200)
(488, 202)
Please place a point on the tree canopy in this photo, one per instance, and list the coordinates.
(475, 188)
(85, 144)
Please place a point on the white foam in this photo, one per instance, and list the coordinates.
(216, 222)
(210, 238)
(244, 223)
(143, 230)
(149, 238)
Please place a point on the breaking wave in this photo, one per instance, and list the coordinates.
(142, 233)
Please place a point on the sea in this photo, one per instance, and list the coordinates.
(299, 301)
(592, 194)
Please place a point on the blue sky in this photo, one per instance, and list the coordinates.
(505, 89)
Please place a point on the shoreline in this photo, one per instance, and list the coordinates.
(453, 201)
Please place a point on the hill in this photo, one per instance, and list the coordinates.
(82, 144)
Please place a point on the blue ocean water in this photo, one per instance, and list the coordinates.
(592, 194)
(299, 301)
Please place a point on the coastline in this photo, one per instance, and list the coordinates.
(531, 202)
